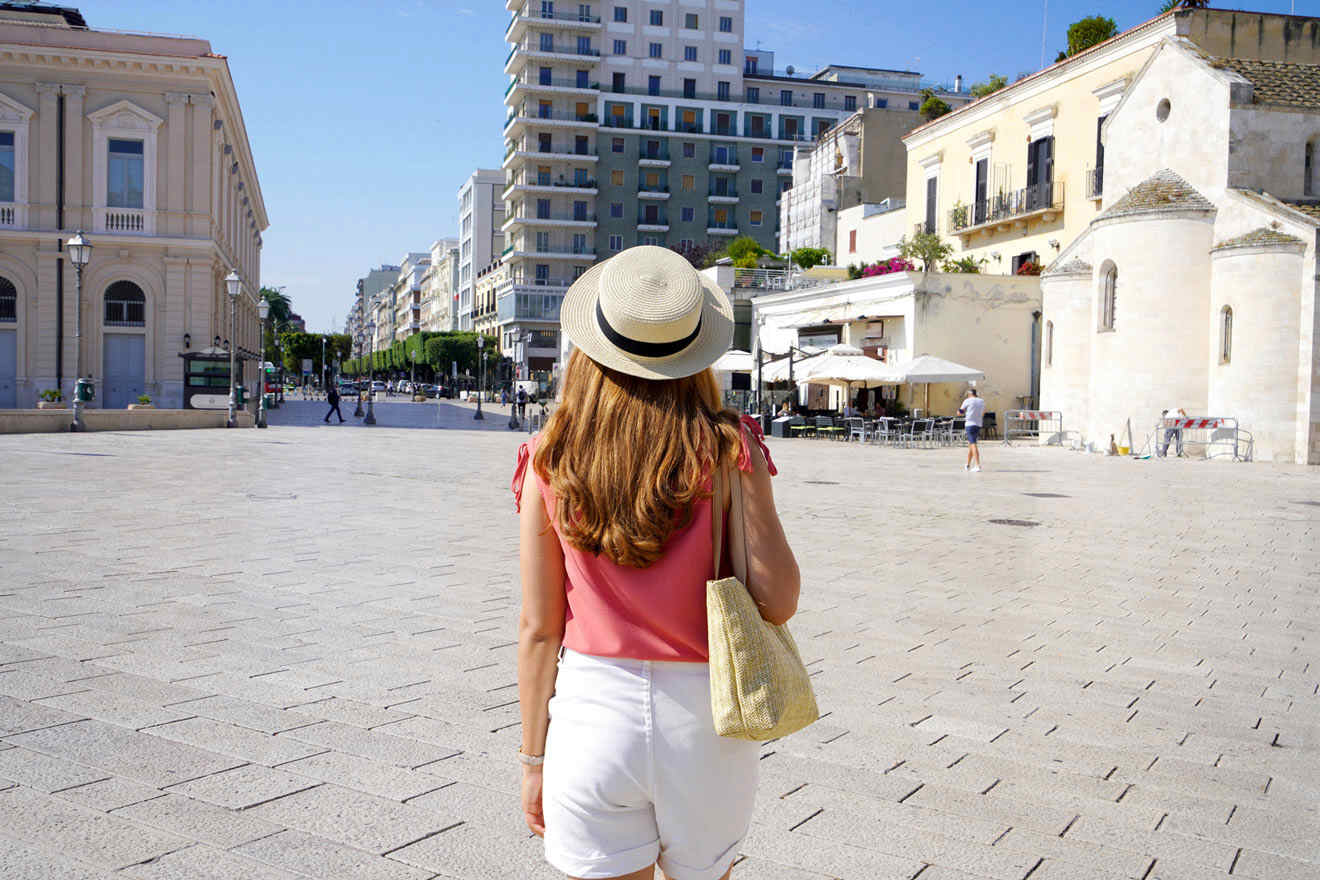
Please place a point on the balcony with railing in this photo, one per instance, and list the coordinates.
(533, 14)
(533, 116)
(1008, 209)
(524, 303)
(129, 221)
(551, 218)
(723, 159)
(551, 84)
(654, 222)
(657, 155)
(561, 186)
(716, 226)
(726, 193)
(1095, 182)
(529, 50)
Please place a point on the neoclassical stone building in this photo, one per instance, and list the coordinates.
(138, 141)
(1196, 287)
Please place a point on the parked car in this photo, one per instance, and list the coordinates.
(378, 385)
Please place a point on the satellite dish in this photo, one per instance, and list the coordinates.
(789, 70)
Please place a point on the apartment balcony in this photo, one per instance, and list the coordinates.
(587, 254)
(658, 158)
(534, 302)
(723, 196)
(655, 223)
(726, 163)
(129, 221)
(658, 193)
(525, 85)
(1007, 210)
(524, 118)
(561, 188)
(531, 15)
(729, 230)
(556, 153)
(533, 51)
(562, 220)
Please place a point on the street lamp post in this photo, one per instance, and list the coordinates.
(323, 388)
(481, 374)
(263, 309)
(412, 374)
(517, 340)
(80, 253)
(371, 379)
(233, 284)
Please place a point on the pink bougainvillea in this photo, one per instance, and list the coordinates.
(887, 267)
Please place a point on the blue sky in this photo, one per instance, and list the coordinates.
(365, 117)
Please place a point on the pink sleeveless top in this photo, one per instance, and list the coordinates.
(655, 613)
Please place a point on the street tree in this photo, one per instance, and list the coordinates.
(932, 107)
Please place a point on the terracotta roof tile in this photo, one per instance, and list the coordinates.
(1310, 209)
(1277, 83)
(1162, 191)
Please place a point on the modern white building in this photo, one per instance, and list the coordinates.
(368, 288)
(1196, 287)
(408, 294)
(480, 233)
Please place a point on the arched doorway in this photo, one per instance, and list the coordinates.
(8, 344)
(123, 374)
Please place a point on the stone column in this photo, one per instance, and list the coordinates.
(77, 187)
(173, 324)
(202, 159)
(173, 221)
(41, 335)
(43, 148)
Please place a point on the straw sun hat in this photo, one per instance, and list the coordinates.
(646, 312)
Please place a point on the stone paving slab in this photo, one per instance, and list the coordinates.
(1128, 689)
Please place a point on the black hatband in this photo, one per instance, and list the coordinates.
(644, 349)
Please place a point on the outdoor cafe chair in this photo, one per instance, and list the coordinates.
(825, 427)
(884, 430)
(920, 431)
(860, 429)
(806, 429)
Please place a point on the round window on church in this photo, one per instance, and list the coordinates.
(1162, 110)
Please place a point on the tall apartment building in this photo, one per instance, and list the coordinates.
(642, 122)
(139, 141)
(368, 288)
(480, 233)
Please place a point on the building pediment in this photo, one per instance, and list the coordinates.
(13, 111)
(126, 115)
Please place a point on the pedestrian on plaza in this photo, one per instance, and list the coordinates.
(622, 768)
(973, 408)
(522, 403)
(332, 398)
(1172, 435)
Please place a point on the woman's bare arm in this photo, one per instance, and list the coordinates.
(540, 633)
(772, 576)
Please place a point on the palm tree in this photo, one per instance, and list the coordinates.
(281, 307)
(1170, 5)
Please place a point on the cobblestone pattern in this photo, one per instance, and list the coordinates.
(290, 653)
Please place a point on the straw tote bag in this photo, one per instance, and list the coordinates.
(759, 688)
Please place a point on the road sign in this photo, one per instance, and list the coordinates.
(307, 366)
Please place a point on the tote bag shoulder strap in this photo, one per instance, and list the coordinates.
(737, 526)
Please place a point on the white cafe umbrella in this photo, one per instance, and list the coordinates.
(734, 361)
(848, 366)
(928, 368)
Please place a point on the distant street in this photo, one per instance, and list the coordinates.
(290, 653)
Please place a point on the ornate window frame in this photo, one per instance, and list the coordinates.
(123, 119)
(16, 117)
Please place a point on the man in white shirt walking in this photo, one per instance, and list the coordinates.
(974, 409)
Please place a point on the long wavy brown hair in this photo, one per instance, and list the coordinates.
(626, 458)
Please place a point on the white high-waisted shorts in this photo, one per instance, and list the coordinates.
(635, 773)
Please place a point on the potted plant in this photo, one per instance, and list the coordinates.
(143, 402)
(959, 215)
(51, 398)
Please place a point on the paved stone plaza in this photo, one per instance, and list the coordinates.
(290, 653)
